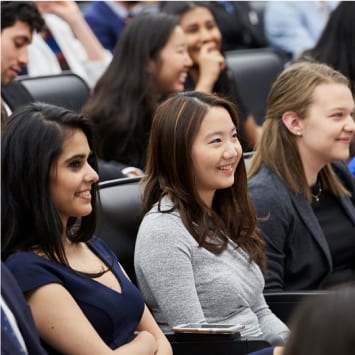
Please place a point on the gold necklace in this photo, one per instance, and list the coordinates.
(317, 195)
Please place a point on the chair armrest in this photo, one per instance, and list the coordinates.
(214, 344)
(283, 303)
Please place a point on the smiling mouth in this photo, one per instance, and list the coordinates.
(182, 77)
(344, 140)
(83, 194)
(226, 167)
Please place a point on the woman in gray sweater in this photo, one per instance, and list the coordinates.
(199, 257)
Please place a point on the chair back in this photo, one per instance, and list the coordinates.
(65, 89)
(284, 303)
(119, 218)
(247, 158)
(254, 71)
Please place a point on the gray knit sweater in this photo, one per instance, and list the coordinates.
(183, 283)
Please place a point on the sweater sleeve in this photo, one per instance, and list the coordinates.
(164, 269)
(269, 323)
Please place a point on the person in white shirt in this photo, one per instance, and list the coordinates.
(74, 40)
(18, 21)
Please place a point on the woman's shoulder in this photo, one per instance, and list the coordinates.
(163, 209)
(265, 177)
(160, 217)
(32, 270)
(23, 258)
(162, 223)
(266, 185)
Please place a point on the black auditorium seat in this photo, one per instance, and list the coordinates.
(284, 303)
(120, 218)
(254, 71)
(65, 89)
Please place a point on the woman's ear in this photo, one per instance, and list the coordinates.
(292, 122)
(152, 67)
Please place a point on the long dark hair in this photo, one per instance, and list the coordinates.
(123, 102)
(31, 144)
(168, 172)
(336, 46)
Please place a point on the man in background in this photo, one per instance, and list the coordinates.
(18, 21)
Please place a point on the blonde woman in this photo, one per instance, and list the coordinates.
(299, 182)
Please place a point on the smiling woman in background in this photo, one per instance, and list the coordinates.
(149, 62)
(209, 72)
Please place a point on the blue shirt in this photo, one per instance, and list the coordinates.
(104, 22)
(294, 26)
(351, 165)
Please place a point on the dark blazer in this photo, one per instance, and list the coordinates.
(15, 95)
(241, 28)
(14, 298)
(298, 255)
(106, 24)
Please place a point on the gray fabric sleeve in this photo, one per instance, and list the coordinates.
(163, 256)
(269, 323)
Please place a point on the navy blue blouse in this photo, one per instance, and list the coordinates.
(115, 316)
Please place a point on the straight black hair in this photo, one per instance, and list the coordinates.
(31, 144)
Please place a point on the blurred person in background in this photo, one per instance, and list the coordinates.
(108, 19)
(291, 27)
(147, 65)
(324, 325)
(209, 72)
(67, 43)
(19, 19)
(241, 26)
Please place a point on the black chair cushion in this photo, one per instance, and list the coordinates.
(254, 71)
(66, 89)
(119, 220)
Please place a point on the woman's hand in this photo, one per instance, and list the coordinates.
(278, 350)
(70, 12)
(67, 10)
(211, 62)
(147, 342)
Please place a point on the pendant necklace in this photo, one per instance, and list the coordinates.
(317, 195)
